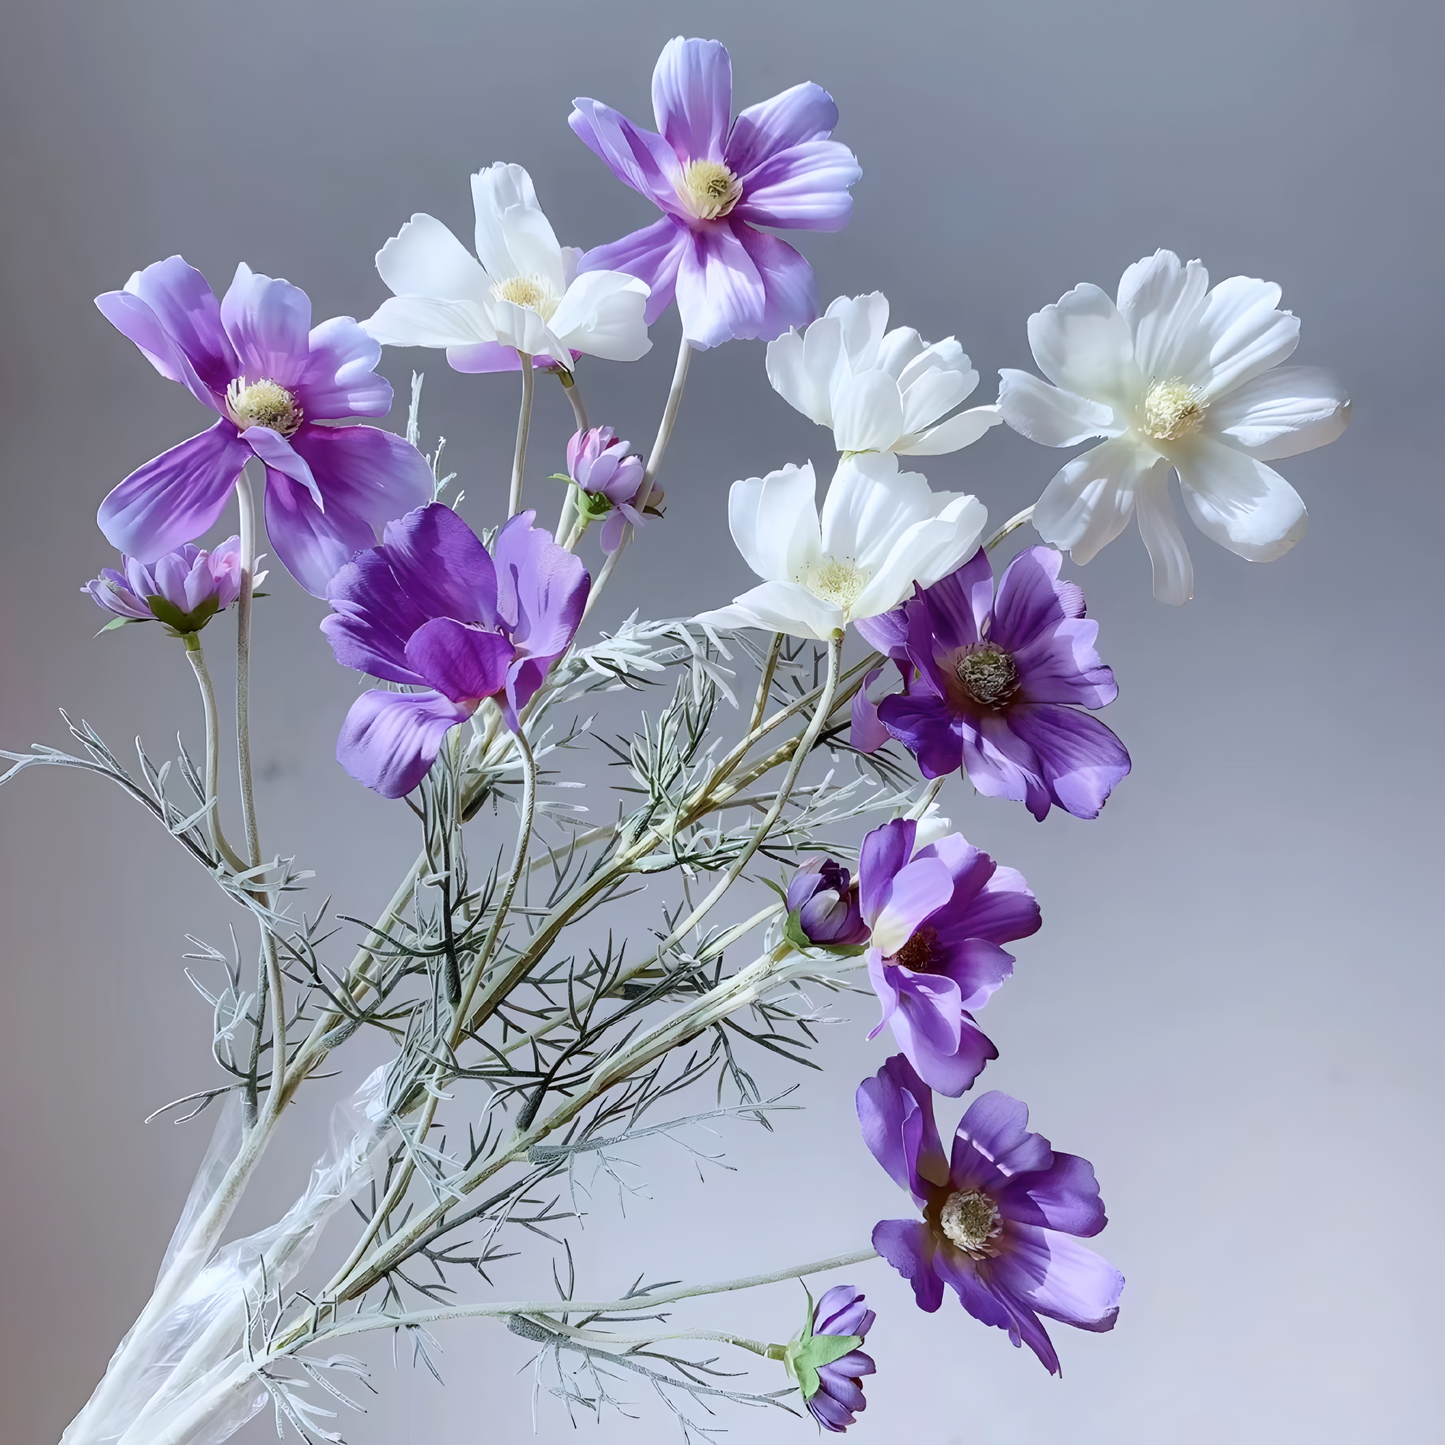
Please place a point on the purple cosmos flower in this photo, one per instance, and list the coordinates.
(610, 477)
(255, 358)
(995, 684)
(715, 184)
(826, 1359)
(937, 918)
(184, 589)
(997, 1218)
(430, 608)
(825, 901)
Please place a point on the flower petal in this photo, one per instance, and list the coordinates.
(895, 1111)
(993, 1140)
(463, 663)
(916, 890)
(268, 321)
(1060, 1278)
(774, 522)
(421, 321)
(390, 739)
(1088, 502)
(802, 113)
(907, 1244)
(790, 290)
(373, 617)
(425, 259)
(1240, 333)
(1064, 1196)
(1239, 502)
(1081, 759)
(692, 97)
(885, 850)
(514, 236)
(1050, 415)
(339, 378)
(720, 294)
(280, 456)
(176, 497)
(541, 591)
(1281, 413)
(1082, 344)
(1161, 301)
(779, 607)
(923, 724)
(604, 314)
(638, 158)
(1173, 571)
(652, 255)
(801, 367)
(440, 563)
(867, 413)
(802, 188)
(311, 544)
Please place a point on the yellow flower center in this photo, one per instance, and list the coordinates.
(970, 1219)
(530, 292)
(1173, 410)
(708, 189)
(263, 403)
(836, 580)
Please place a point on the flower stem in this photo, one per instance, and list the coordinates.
(1012, 525)
(765, 682)
(524, 425)
(197, 659)
(574, 395)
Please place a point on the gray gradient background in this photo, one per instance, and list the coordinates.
(1234, 1006)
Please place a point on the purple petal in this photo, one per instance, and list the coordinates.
(489, 356)
(956, 1269)
(268, 322)
(895, 1113)
(1062, 666)
(804, 188)
(955, 608)
(907, 1245)
(720, 295)
(692, 97)
(942, 1042)
(1031, 598)
(652, 254)
(1065, 1196)
(339, 378)
(887, 633)
(442, 566)
(176, 497)
(1081, 759)
(638, 158)
(866, 733)
(1000, 764)
(374, 619)
(390, 739)
(989, 902)
(114, 592)
(842, 1311)
(463, 663)
(1060, 1278)
(790, 290)
(831, 1414)
(802, 113)
(993, 1140)
(279, 456)
(310, 544)
(924, 725)
(884, 852)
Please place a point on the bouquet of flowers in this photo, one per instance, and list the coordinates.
(800, 736)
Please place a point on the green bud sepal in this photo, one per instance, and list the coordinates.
(807, 1353)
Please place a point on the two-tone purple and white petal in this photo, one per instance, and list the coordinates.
(1001, 1216)
(716, 181)
(255, 359)
(996, 686)
(431, 609)
(938, 917)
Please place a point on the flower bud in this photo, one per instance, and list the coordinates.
(184, 589)
(601, 465)
(826, 1359)
(824, 901)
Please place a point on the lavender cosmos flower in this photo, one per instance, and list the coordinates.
(430, 608)
(609, 478)
(184, 589)
(938, 917)
(826, 1359)
(998, 1217)
(715, 184)
(996, 685)
(823, 900)
(255, 358)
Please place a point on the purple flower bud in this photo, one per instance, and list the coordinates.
(602, 466)
(827, 1360)
(183, 589)
(826, 902)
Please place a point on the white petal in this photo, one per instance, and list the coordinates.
(1088, 502)
(418, 321)
(602, 314)
(1240, 333)
(867, 413)
(1173, 571)
(934, 394)
(864, 320)
(523, 328)
(1282, 413)
(514, 237)
(927, 551)
(1049, 414)
(1161, 300)
(1239, 502)
(945, 355)
(779, 607)
(425, 259)
(1083, 345)
(774, 522)
(960, 430)
(870, 504)
(900, 349)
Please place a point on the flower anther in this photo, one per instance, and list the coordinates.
(1173, 410)
(708, 189)
(917, 954)
(987, 674)
(263, 403)
(971, 1221)
(838, 580)
(530, 292)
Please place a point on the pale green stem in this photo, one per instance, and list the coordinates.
(524, 425)
(1012, 525)
(197, 659)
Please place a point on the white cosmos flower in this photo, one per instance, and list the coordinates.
(879, 390)
(1174, 376)
(881, 531)
(524, 294)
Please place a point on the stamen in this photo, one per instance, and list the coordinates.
(1173, 410)
(836, 580)
(917, 953)
(971, 1220)
(987, 674)
(529, 291)
(708, 189)
(263, 403)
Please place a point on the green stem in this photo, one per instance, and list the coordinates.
(524, 424)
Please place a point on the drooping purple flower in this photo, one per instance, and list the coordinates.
(824, 898)
(995, 686)
(430, 608)
(254, 358)
(938, 917)
(184, 589)
(717, 182)
(999, 1217)
(610, 478)
(827, 1361)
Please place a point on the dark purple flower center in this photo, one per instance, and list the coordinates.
(917, 953)
(987, 674)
